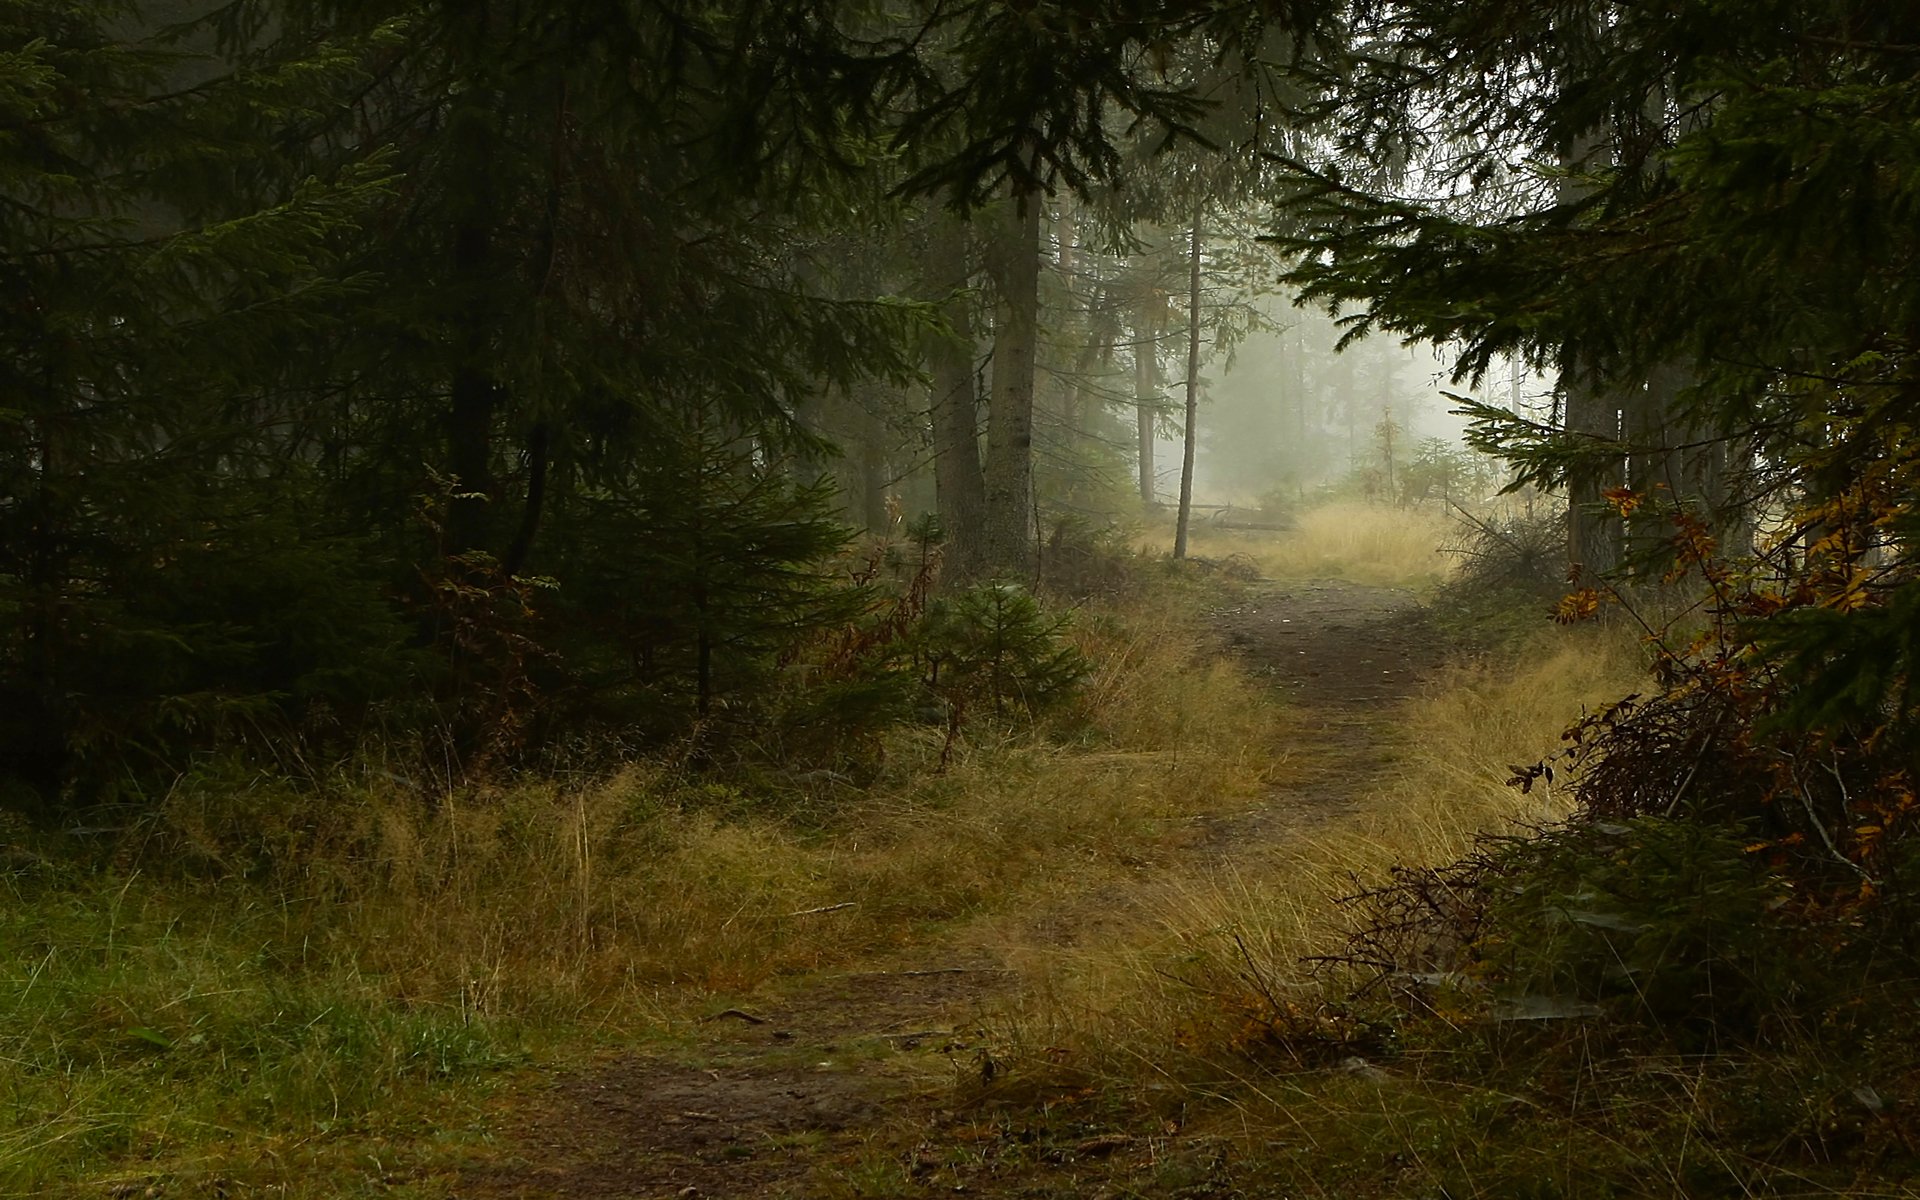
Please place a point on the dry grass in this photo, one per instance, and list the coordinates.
(389, 941)
(646, 892)
(1353, 540)
(350, 948)
(1176, 986)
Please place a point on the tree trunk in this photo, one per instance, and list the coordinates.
(1009, 527)
(1146, 392)
(1346, 390)
(959, 490)
(473, 398)
(1193, 392)
(539, 457)
(1095, 357)
(1593, 533)
(873, 460)
(1655, 466)
(472, 402)
(42, 740)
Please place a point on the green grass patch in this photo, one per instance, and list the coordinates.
(153, 1035)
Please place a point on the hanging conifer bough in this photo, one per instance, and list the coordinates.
(1708, 226)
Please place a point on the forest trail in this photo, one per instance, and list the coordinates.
(826, 1086)
(1344, 654)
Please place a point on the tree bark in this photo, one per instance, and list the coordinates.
(1594, 537)
(1091, 295)
(1146, 392)
(873, 460)
(1654, 464)
(1094, 358)
(1593, 531)
(1300, 454)
(472, 402)
(539, 457)
(959, 489)
(1193, 392)
(1009, 525)
(473, 398)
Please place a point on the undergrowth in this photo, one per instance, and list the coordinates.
(1224, 953)
(1565, 947)
(308, 983)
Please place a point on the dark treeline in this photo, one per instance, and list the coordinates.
(509, 369)
(486, 370)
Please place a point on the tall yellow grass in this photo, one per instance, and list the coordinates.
(1365, 543)
(1169, 988)
(638, 895)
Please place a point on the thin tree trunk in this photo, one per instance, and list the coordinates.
(873, 460)
(41, 755)
(473, 396)
(1350, 403)
(959, 490)
(539, 457)
(1301, 450)
(1193, 392)
(539, 438)
(1010, 534)
(1146, 392)
(472, 402)
(1593, 533)
(1387, 431)
(1654, 466)
(1094, 358)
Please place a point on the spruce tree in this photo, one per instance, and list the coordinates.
(162, 573)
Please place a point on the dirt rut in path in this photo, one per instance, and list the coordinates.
(785, 1097)
(768, 1098)
(1345, 654)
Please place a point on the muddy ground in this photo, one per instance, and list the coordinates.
(842, 1085)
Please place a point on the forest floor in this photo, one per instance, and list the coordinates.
(881, 1078)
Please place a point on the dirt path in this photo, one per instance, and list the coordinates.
(801, 1095)
(1345, 654)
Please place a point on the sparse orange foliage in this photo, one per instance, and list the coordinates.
(1582, 605)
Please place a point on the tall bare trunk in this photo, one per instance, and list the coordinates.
(1193, 392)
(1094, 359)
(1009, 525)
(1594, 537)
(473, 394)
(959, 489)
(873, 459)
(1655, 465)
(472, 402)
(1593, 530)
(1146, 392)
(1300, 453)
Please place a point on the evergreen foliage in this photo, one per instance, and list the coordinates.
(573, 274)
(1667, 188)
(994, 644)
(165, 573)
(696, 572)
